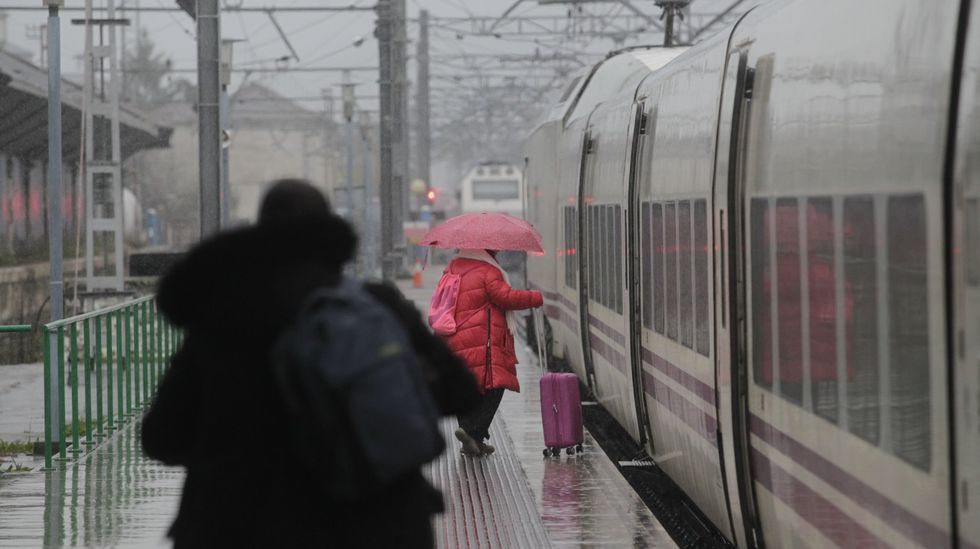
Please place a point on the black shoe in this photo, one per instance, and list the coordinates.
(486, 449)
(470, 446)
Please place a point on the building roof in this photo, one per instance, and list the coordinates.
(257, 106)
(24, 114)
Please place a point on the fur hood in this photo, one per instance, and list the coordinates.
(250, 281)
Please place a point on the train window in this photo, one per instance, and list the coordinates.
(609, 247)
(597, 251)
(861, 318)
(909, 329)
(972, 241)
(701, 320)
(601, 250)
(789, 319)
(573, 223)
(822, 300)
(684, 290)
(618, 257)
(657, 225)
(605, 246)
(496, 189)
(571, 269)
(646, 265)
(670, 253)
(761, 292)
(593, 253)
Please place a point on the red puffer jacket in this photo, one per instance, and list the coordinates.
(482, 288)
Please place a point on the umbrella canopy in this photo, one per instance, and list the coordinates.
(485, 231)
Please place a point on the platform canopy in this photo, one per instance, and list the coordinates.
(24, 115)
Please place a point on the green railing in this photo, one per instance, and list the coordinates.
(113, 359)
(15, 328)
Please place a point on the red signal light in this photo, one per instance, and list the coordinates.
(431, 196)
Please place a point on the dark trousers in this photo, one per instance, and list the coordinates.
(477, 423)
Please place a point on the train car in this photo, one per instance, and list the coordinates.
(493, 187)
(497, 187)
(764, 260)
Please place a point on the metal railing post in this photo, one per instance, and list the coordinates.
(121, 381)
(60, 387)
(99, 431)
(73, 358)
(50, 403)
(144, 347)
(109, 363)
(127, 316)
(87, 371)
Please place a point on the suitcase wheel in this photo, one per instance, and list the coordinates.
(570, 450)
(578, 449)
(547, 452)
(555, 452)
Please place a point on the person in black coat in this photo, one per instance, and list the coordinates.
(218, 411)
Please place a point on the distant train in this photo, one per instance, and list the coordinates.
(497, 187)
(763, 256)
(493, 187)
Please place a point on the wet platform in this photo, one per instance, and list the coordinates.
(112, 497)
(516, 497)
(116, 497)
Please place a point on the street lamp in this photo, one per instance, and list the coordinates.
(227, 49)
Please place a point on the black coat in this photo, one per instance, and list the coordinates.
(218, 411)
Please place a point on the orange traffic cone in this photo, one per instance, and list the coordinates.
(417, 275)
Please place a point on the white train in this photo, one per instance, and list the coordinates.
(493, 187)
(497, 187)
(764, 258)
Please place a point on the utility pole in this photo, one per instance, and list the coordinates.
(391, 50)
(422, 102)
(102, 155)
(401, 127)
(55, 253)
(671, 9)
(209, 113)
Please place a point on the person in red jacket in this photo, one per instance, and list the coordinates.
(484, 338)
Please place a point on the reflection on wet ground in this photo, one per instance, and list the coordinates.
(112, 497)
(578, 501)
(582, 500)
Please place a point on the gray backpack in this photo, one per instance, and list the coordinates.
(360, 413)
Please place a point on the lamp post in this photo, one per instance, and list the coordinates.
(370, 248)
(227, 49)
(347, 95)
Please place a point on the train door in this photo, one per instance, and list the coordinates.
(638, 132)
(586, 223)
(966, 296)
(731, 374)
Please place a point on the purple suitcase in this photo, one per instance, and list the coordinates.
(561, 413)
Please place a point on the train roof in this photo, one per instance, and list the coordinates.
(620, 72)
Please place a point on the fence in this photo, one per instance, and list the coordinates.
(114, 357)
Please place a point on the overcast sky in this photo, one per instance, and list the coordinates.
(324, 38)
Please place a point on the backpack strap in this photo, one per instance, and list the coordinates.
(450, 266)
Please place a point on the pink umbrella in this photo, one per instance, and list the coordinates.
(485, 231)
